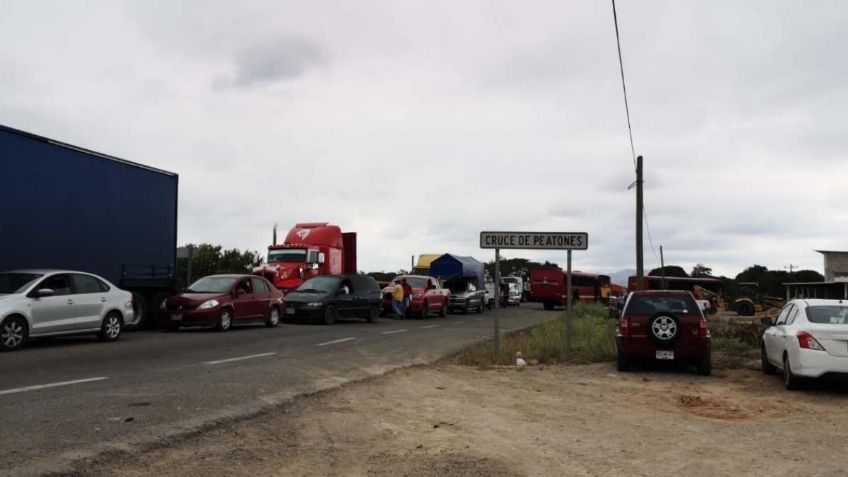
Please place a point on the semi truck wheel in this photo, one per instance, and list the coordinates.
(140, 311)
(155, 318)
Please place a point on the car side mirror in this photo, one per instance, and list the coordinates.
(44, 292)
(766, 321)
(614, 313)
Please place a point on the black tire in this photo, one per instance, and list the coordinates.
(111, 328)
(768, 368)
(790, 381)
(13, 333)
(330, 315)
(373, 314)
(664, 328)
(173, 327)
(466, 308)
(705, 364)
(744, 309)
(225, 320)
(274, 317)
(156, 316)
(549, 306)
(480, 306)
(140, 310)
(443, 312)
(622, 362)
(425, 310)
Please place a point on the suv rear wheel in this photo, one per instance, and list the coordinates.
(622, 362)
(665, 328)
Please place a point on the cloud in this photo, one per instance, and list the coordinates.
(281, 59)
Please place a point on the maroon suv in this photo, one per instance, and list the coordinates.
(663, 326)
(224, 300)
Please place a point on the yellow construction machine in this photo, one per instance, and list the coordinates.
(755, 302)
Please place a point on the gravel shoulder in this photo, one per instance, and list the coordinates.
(587, 420)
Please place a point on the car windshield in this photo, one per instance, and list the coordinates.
(458, 287)
(414, 282)
(16, 282)
(650, 304)
(323, 284)
(829, 315)
(287, 255)
(212, 285)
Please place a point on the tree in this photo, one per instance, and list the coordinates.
(670, 271)
(701, 271)
(211, 259)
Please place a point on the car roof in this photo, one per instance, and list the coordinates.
(230, 275)
(46, 271)
(661, 292)
(412, 276)
(821, 302)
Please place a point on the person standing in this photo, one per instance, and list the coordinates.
(407, 296)
(397, 300)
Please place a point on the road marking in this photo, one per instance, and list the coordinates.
(394, 331)
(458, 322)
(50, 385)
(240, 358)
(430, 326)
(349, 338)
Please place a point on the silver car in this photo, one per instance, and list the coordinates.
(40, 303)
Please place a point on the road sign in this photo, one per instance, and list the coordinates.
(535, 240)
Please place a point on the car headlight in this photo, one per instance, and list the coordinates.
(314, 304)
(208, 304)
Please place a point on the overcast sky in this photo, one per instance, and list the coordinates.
(418, 124)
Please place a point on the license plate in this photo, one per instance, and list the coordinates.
(290, 310)
(662, 354)
(176, 317)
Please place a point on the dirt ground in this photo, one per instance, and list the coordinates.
(585, 420)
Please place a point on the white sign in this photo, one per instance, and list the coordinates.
(535, 240)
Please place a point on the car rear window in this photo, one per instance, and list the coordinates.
(830, 315)
(651, 304)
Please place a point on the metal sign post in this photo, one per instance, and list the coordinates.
(497, 298)
(536, 241)
(569, 307)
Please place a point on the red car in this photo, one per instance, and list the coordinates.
(662, 325)
(225, 300)
(427, 296)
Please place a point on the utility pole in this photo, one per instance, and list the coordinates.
(662, 268)
(497, 301)
(791, 267)
(640, 267)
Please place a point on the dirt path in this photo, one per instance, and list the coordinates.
(579, 420)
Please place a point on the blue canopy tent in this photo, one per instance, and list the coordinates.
(451, 267)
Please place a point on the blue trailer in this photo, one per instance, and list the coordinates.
(72, 208)
(450, 267)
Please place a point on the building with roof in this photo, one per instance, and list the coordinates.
(835, 284)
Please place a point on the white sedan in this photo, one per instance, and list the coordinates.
(809, 339)
(40, 303)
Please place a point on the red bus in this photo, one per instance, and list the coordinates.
(548, 286)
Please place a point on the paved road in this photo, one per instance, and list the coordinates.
(68, 398)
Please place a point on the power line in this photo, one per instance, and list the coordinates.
(623, 83)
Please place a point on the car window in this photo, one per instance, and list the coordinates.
(60, 284)
(830, 315)
(366, 284)
(259, 285)
(86, 284)
(781, 318)
(792, 314)
(245, 285)
(646, 305)
(433, 285)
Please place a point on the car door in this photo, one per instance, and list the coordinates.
(345, 300)
(434, 294)
(244, 304)
(773, 336)
(261, 297)
(89, 301)
(53, 314)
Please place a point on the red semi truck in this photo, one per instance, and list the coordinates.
(309, 250)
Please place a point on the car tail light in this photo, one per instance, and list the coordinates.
(806, 341)
(703, 331)
(624, 326)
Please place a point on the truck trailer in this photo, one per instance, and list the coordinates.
(309, 250)
(66, 207)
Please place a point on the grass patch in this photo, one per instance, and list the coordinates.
(593, 340)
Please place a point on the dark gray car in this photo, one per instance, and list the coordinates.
(465, 296)
(327, 298)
